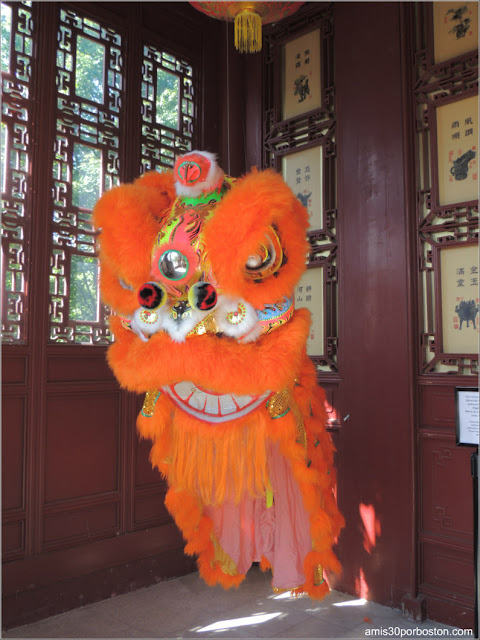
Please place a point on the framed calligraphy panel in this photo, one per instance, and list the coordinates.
(303, 172)
(309, 294)
(457, 151)
(459, 298)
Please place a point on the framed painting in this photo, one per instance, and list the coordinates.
(459, 298)
(301, 75)
(455, 29)
(457, 151)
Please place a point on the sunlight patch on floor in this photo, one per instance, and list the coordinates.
(351, 603)
(287, 594)
(239, 622)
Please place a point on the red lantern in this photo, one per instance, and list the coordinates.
(248, 18)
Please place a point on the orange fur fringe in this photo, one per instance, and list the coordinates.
(202, 456)
(277, 356)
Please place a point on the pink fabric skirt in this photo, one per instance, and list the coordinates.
(249, 530)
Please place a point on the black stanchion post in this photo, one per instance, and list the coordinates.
(474, 461)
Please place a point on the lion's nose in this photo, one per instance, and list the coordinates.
(181, 310)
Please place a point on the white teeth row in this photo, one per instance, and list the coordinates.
(211, 406)
(210, 403)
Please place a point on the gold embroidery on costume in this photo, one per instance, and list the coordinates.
(287, 590)
(301, 433)
(221, 557)
(207, 325)
(279, 404)
(149, 403)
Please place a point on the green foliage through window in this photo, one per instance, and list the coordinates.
(86, 175)
(167, 98)
(6, 31)
(83, 289)
(89, 72)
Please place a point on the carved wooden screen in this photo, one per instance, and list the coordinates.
(74, 474)
(445, 111)
(16, 137)
(89, 125)
(167, 108)
(446, 94)
(299, 140)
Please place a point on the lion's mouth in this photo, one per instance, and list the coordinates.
(209, 405)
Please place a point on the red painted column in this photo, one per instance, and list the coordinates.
(376, 489)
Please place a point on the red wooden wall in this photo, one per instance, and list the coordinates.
(398, 456)
(375, 310)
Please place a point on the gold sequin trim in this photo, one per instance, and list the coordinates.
(318, 578)
(279, 404)
(149, 403)
(221, 558)
(301, 433)
(287, 590)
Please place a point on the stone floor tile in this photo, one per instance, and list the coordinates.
(185, 607)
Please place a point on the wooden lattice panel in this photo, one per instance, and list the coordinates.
(16, 136)
(292, 142)
(168, 108)
(441, 224)
(89, 100)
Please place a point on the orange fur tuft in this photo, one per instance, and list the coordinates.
(238, 228)
(141, 366)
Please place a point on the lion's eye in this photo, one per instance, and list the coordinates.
(151, 295)
(267, 260)
(202, 296)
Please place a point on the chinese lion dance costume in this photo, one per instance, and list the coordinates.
(199, 269)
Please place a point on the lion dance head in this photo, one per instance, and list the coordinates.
(199, 270)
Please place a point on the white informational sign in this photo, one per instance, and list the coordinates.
(466, 401)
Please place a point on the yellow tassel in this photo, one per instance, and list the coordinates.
(248, 31)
